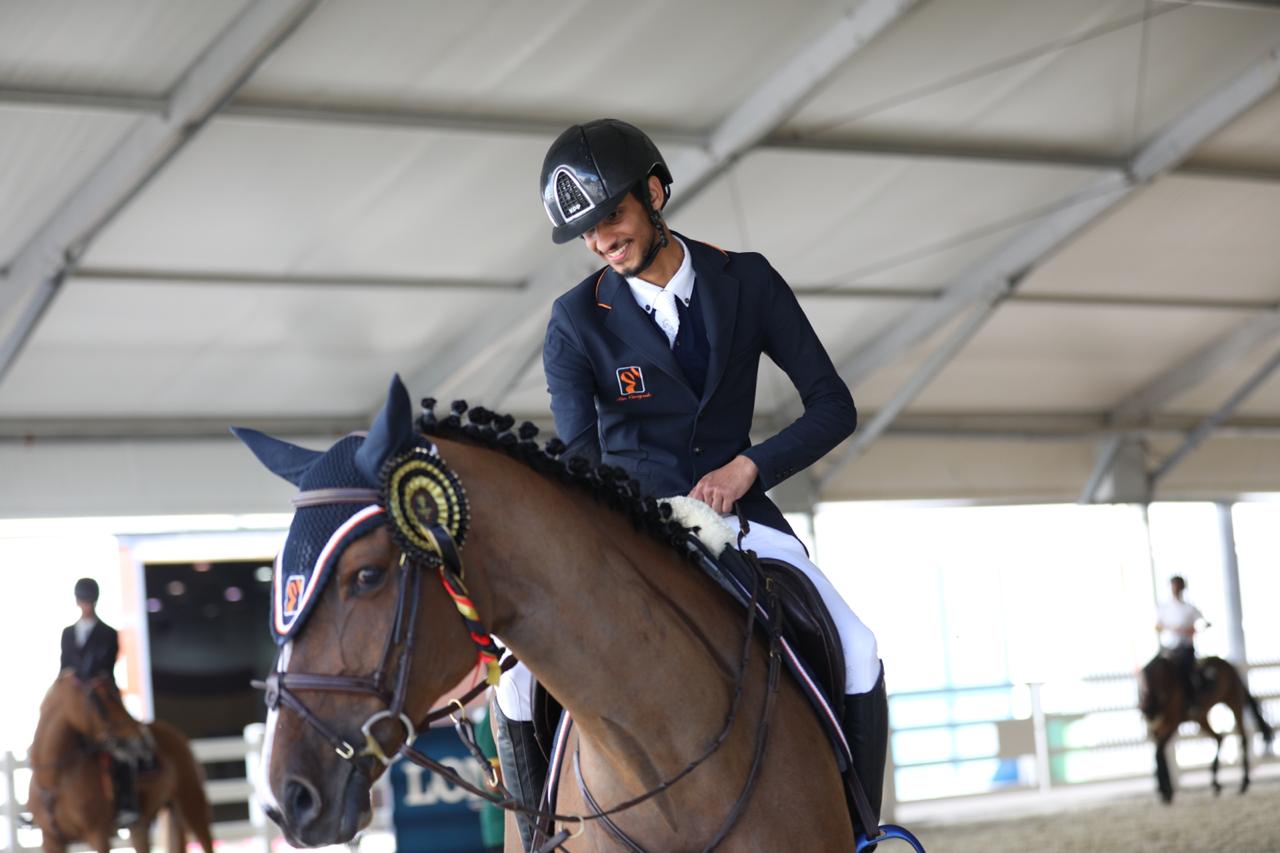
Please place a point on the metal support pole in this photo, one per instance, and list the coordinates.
(1231, 588)
(10, 802)
(889, 801)
(254, 734)
(1040, 728)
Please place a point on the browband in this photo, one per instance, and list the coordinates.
(320, 497)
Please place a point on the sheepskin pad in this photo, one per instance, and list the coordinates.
(713, 531)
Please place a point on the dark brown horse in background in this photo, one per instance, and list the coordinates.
(71, 796)
(1165, 704)
(641, 647)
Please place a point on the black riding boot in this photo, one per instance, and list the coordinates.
(1190, 680)
(124, 776)
(866, 727)
(524, 768)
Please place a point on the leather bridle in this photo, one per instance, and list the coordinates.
(283, 687)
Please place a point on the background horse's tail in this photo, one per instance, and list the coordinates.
(190, 807)
(1267, 734)
(175, 838)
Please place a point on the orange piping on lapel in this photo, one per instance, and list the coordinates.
(599, 279)
(713, 246)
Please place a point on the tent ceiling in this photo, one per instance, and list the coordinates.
(1184, 236)
(280, 198)
(547, 60)
(364, 203)
(47, 155)
(138, 47)
(1054, 76)
(1249, 143)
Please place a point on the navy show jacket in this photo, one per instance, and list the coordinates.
(619, 396)
(96, 657)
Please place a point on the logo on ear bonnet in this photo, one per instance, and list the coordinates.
(420, 494)
(293, 588)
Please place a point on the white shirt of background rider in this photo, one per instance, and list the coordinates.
(1177, 620)
(84, 627)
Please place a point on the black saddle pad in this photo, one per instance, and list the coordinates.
(806, 623)
(808, 626)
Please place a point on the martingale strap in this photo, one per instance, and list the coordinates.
(487, 651)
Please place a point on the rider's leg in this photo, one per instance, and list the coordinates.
(524, 768)
(865, 723)
(1187, 664)
(865, 717)
(124, 778)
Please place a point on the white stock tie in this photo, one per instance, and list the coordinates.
(664, 311)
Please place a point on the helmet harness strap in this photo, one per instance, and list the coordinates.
(655, 218)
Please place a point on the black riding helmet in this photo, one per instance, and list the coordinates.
(590, 168)
(87, 590)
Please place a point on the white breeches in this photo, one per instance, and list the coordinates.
(861, 658)
(515, 693)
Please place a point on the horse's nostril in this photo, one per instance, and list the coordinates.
(302, 801)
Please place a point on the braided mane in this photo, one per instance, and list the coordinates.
(606, 484)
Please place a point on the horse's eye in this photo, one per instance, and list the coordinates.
(369, 577)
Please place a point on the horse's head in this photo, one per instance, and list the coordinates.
(375, 514)
(93, 710)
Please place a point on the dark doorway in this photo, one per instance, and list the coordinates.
(207, 623)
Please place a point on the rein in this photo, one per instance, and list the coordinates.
(441, 553)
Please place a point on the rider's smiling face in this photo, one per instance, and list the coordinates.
(625, 236)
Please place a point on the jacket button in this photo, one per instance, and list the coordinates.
(697, 451)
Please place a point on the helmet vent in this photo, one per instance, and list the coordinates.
(570, 195)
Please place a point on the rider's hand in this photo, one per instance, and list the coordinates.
(720, 488)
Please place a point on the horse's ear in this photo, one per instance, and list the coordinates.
(392, 432)
(283, 459)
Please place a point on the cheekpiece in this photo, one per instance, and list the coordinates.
(422, 495)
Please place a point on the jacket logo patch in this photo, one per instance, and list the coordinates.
(292, 595)
(630, 380)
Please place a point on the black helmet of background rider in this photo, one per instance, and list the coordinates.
(589, 170)
(87, 590)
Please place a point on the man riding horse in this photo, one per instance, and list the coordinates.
(651, 364)
(90, 648)
(1176, 621)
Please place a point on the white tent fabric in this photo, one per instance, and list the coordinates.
(354, 193)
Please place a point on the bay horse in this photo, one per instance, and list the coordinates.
(1164, 703)
(577, 575)
(71, 796)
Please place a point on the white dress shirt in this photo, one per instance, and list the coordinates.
(661, 301)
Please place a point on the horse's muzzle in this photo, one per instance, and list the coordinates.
(310, 820)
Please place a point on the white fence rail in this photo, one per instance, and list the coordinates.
(1029, 737)
(1048, 736)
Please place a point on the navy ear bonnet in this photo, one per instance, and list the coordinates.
(320, 533)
